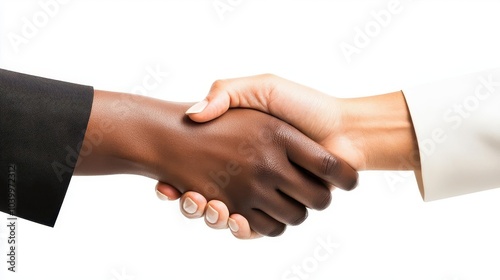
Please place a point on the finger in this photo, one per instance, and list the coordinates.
(314, 158)
(305, 188)
(264, 224)
(193, 205)
(283, 208)
(240, 227)
(247, 92)
(216, 214)
(214, 105)
(165, 191)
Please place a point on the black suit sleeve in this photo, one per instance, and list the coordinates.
(42, 125)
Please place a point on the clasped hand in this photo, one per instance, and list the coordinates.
(370, 133)
(256, 165)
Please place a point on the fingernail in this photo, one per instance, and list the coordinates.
(233, 226)
(161, 196)
(189, 206)
(212, 216)
(198, 107)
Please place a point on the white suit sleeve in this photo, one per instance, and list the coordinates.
(457, 124)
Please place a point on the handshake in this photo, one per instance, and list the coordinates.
(258, 168)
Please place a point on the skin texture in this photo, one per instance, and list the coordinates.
(255, 164)
(370, 133)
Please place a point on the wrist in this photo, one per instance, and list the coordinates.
(116, 137)
(381, 128)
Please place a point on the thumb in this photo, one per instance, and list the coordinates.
(214, 105)
(166, 191)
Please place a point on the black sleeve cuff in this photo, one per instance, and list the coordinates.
(42, 125)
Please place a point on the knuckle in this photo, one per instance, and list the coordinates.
(268, 76)
(266, 170)
(273, 125)
(330, 166)
(218, 85)
(282, 135)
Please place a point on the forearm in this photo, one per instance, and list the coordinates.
(120, 136)
(381, 127)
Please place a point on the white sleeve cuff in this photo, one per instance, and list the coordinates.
(457, 124)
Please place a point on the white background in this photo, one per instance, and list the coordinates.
(114, 227)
